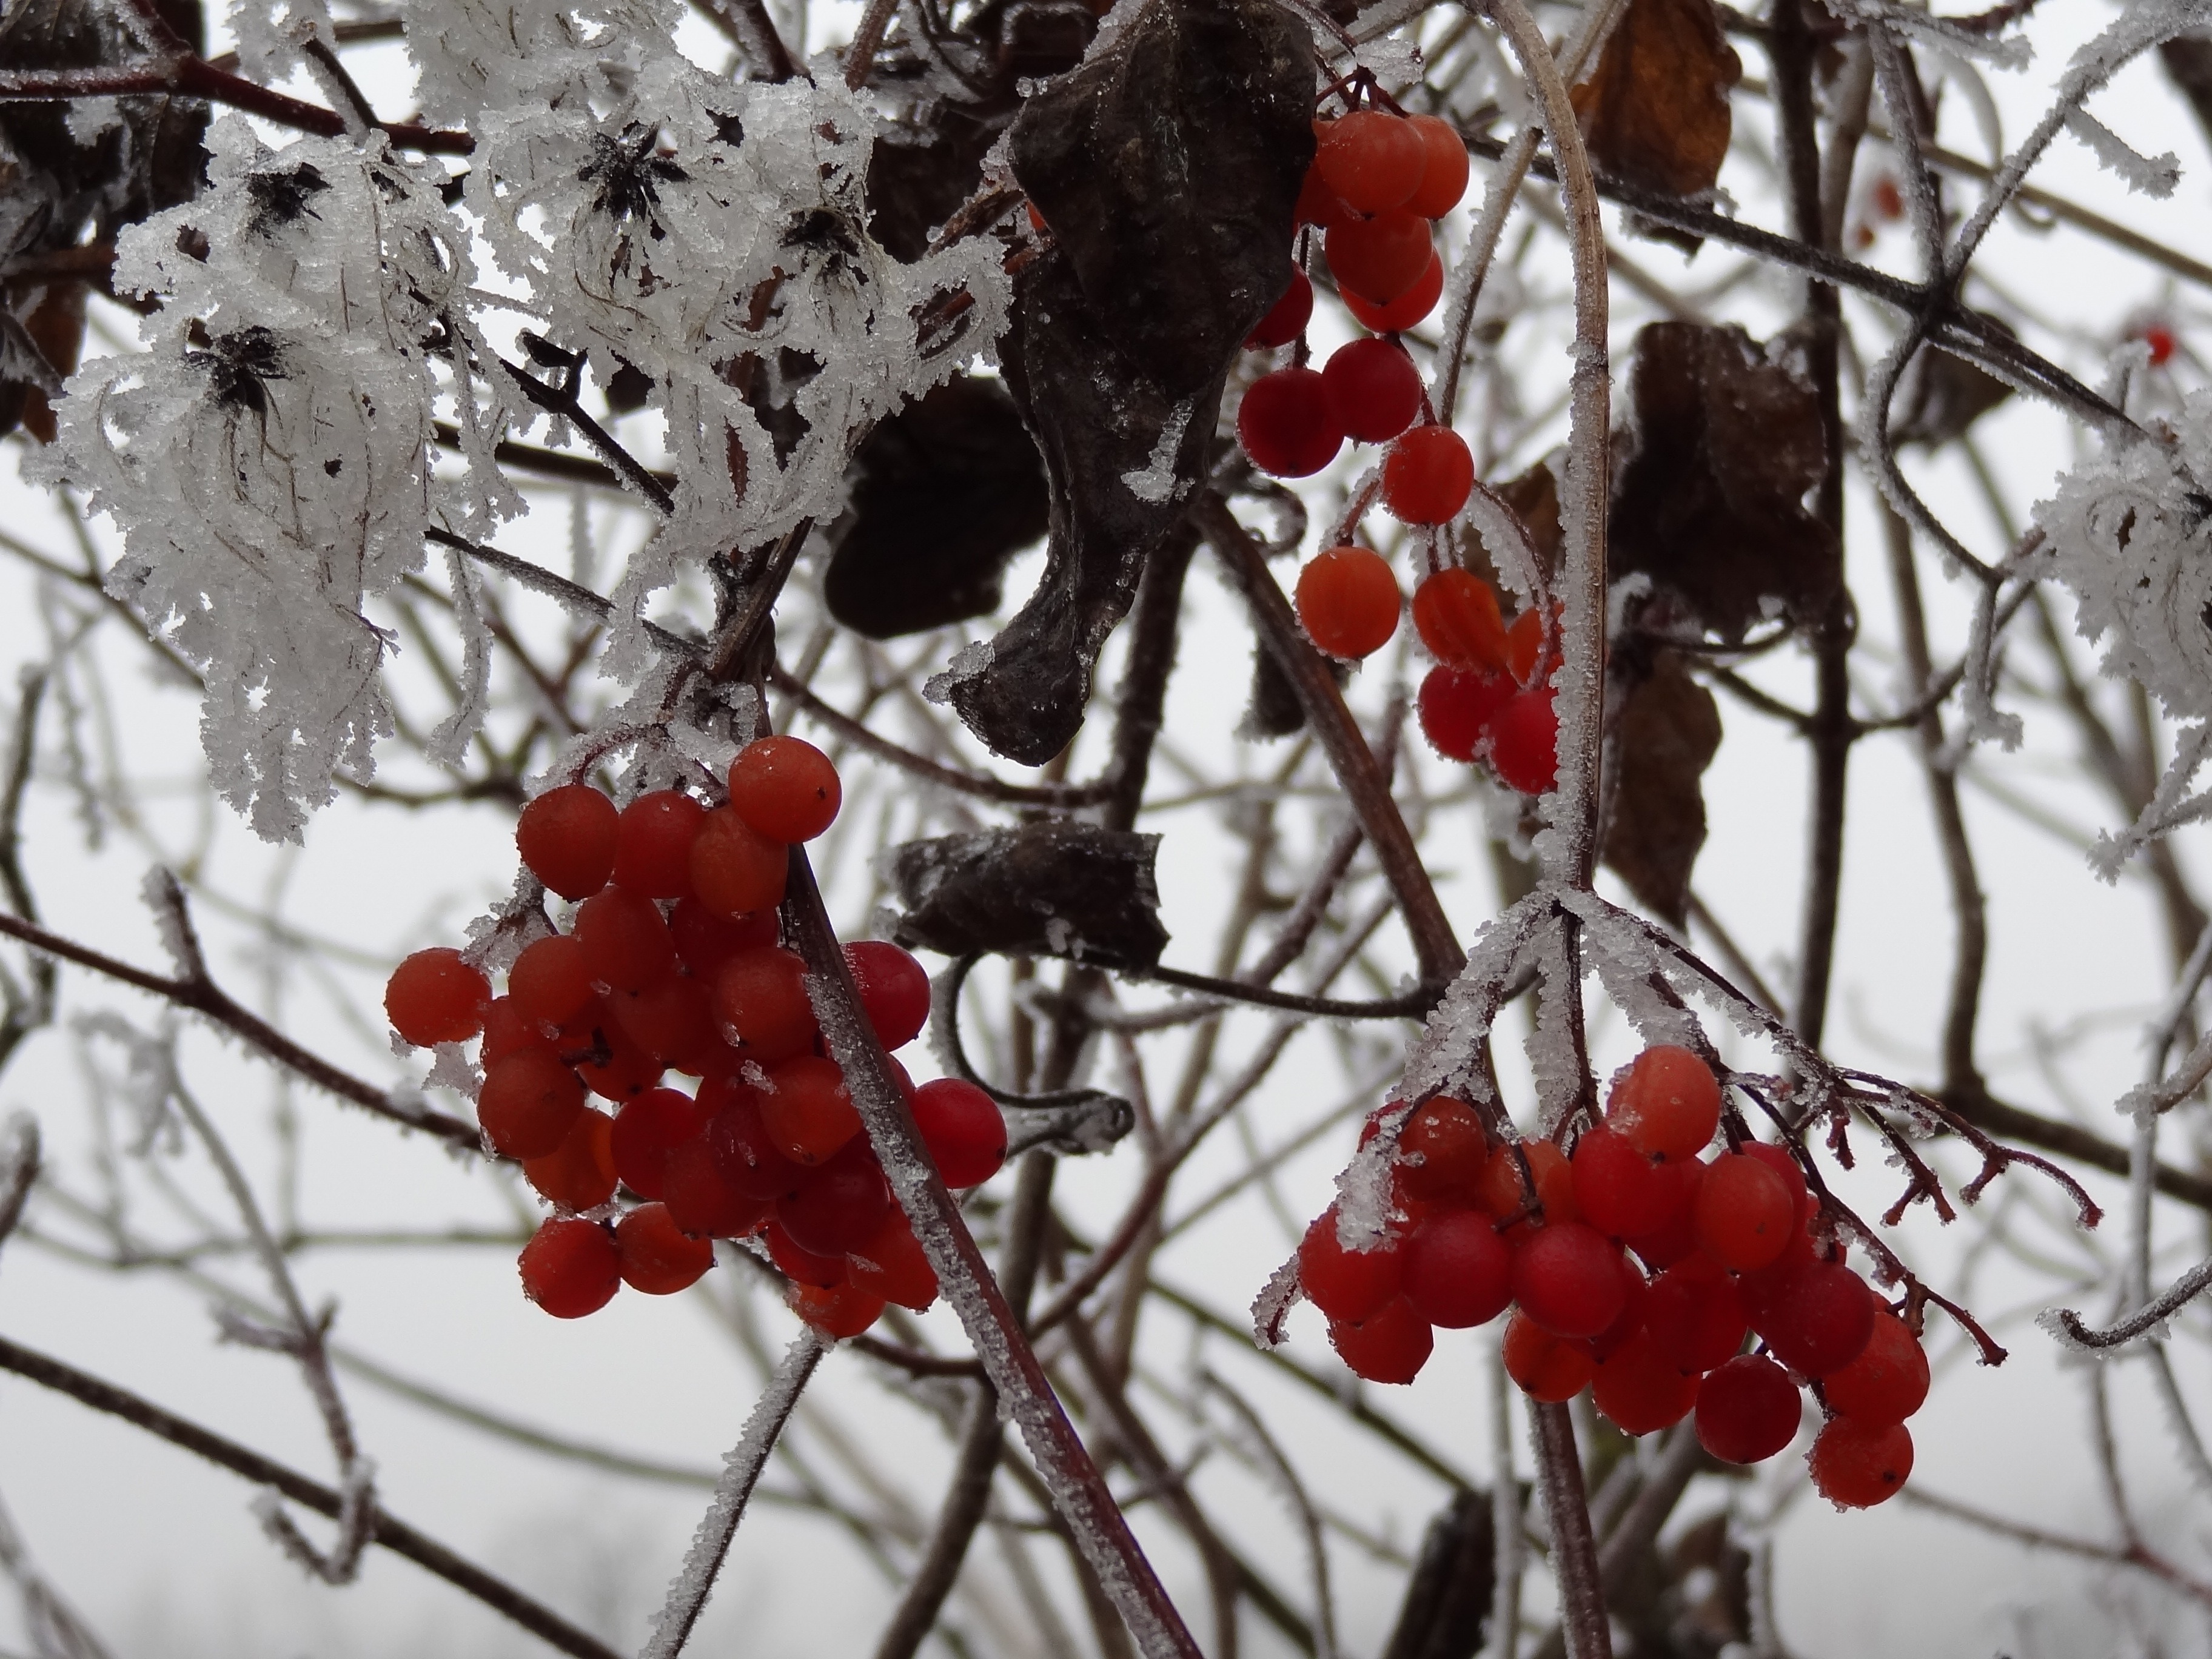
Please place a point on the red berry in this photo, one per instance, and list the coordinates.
(1777, 1159)
(1546, 1367)
(1524, 647)
(1887, 1382)
(1382, 258)
(702, 1199)
(760, 1000)
(657, 1256)
(1442, 1152)
(1695, 1316)
(845, 1310)
(529, 1103)
(1747, 1410)
(567, 838)
(1458, 1274)
(1745, 1215)
(1371, 159)
(894, 989)
(1677, 1237)
(2160, 341)
(743, 1151)
(1428, 475)
(669, 1020)
(1621, 1191)
(962, 1129)
(608, 1059)
(704, 941)
(1455, 613)
(798, 1263)
(1856, 1465)
(1287, 318)
(1567, 1277)
(1348, 601)
(1374, 390)
(1348, 1286)
(580, 1173)
(1456, 707)
(1317, 204)
(1887, 201)
(785, 788)
(838, 1206)
(570, 1268)
(1819, 1321)
(1507, 1185)
(1639, 1390)
(1404, 311)
(1635, 1301)
(508, 1029)
(1667, 1102)
(550, 982)
(735, 869)
(1285, 423)
(625, 941)
(1443, 170)
(1390, 1345)
(652, 843)
(646, 1132)
(890, 1264)
(1524, 742)
(808, 1113)
(434, 996)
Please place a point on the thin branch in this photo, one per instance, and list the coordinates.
(394, 1535)
(1574, 1552)
(192, 77)
(2066, 1324)
(2133, 1555)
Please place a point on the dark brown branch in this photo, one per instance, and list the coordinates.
(1582, 1619)
(193, 77)
(1414, 1005)
(750, 28)
(564, 405)
(394, 1535)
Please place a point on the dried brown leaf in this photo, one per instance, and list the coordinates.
(1053, 887)
(1664, 737)
(1656, 111)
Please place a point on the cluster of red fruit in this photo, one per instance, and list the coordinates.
(673, 963)
(1378, 181)
(1729, 1246)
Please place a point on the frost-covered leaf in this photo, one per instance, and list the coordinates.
(1666, 734)
(1711, 476)
(1052, 888)
(1169, 167)
(943, 493)
(1939, 396)
(1654, 112)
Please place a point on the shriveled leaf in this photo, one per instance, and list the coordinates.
(1055, 887)
(1169, 167)
(1939, 396)
(1711, 477)
(944, 492)
(1665, 735)
(1448, 1594)
(1656, 111)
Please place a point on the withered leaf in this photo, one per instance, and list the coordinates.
(1939, 396)
(1533, 498)
(1665, 735)
(1656, 110)
(1053, 887)
(943, 493)
(1168, 166)
(1711, 476)
(1448, 1594)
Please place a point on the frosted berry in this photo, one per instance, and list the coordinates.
(1287, 318)
(1428, 475)
(838, 1206)
(890, 1264)
(762, 1005)
(652, 843)
(735, 869)
(1455, 613)
(646, 1132)
(807, 1111)
(894, 989)
(1887, 1382)
(1369, 159)
(1286, 425)
(1348, 601)
(1621, 1191)
(1567, 1278)
(844, 1311)
(1639, 1390)
(1819, 1321)
(1442, 1152)
(580, 1173)
(1524, 742)
(1373, 389)
(1458, 1274)
(1747, 1410)
(798, 1264)
(1348, 1286)
(785, 787)
(1529, 1176)
(1455, 708)
(1667, 1102)
(743, 1151)
(1443, 170)
(528, 1104)
(1382, 258)
(962, 1129)
(1695, 1316)
(1856, 1465)
(1544, 1367)
(1404, 311)
(567, 838)
(434, 996)
(570, 1268)
(1745, 1213)
(703, 1203)
(625, 941)
(550, 982)
(1390, 1345)
(705, 940)
(657, 1256)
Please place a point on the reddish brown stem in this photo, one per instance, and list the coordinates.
(197, 78)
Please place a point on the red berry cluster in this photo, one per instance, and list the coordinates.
(1636, 1267)
(1486, 699)
(674, 963)
(1377, 180)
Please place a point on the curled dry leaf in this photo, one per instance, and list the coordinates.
(1664, 736)
(1939, 396)
(1447, 1593)
(1656, 110)
(944, 492)
(1711, 477)
(1168, 166)
(1053, 887)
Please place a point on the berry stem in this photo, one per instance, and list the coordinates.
(1582, 1619)
(1079, 1491)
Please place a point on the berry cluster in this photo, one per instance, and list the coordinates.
(1378, 180)
(1636, 1267)
(1487, 699)
(674, 963)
